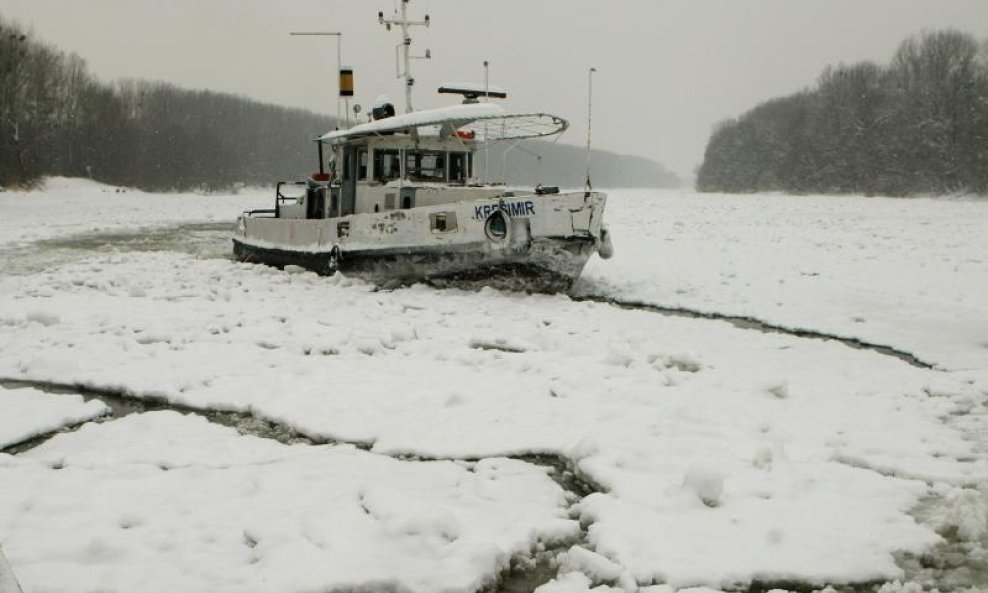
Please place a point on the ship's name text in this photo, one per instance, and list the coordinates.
(513, 209)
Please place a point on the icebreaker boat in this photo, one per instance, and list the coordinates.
(397, 201)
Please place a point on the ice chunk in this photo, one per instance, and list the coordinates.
(763, 458)
(963, 511)
(599, 569)
(576, 582)
(43, 317)
(163, 502)
(28, 412)
(706, 481)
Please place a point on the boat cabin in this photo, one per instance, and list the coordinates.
(397, 172)
(396, 200)
(408, 161)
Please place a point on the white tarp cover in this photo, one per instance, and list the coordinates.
(498, 123)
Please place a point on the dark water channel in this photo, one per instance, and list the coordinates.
(751, 323)
(207, 240)
(121, 404)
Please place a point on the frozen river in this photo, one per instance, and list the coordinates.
(756, 392)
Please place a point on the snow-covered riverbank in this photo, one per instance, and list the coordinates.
(910, 273)
(722, 456)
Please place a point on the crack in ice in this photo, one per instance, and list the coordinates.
(523, 573)
(746, 322)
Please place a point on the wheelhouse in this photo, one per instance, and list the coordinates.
(395, 172)
(401, 162)
(383, 161)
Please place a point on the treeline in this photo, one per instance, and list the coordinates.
(57, 119)
(916, 126)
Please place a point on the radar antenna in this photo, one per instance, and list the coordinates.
(405, 47)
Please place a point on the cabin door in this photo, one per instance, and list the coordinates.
(351, 167)
(316, 203)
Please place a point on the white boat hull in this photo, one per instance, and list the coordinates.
(546, 242)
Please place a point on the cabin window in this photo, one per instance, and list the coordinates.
(362, 165)
(443, 222)
(387, 165)
(459, 169)
(347, 165)
(425, 165)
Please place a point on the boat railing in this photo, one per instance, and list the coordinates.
(281, 199)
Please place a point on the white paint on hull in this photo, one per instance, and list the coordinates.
(556, 233)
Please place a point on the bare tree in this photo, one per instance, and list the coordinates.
(919, 125)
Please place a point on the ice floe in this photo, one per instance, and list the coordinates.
(26, 413)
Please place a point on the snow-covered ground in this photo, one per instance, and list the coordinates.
(908, 273)
(27, 413)
(720, 456)
(165, 502)
(69, 206)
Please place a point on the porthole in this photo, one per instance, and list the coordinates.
(496, 226)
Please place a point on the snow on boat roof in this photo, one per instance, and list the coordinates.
(498, 123)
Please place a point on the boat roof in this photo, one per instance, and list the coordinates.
(487, 120)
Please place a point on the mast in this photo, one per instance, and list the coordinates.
(405, 47)
(487, 144)
(588, 186)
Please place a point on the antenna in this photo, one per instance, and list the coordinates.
(487, 98)
(344, 92)
(405, 47)
(589, 125)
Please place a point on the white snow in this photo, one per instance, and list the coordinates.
(908, 273)
(598, 569)
(964, 511)
(724, 455)
(197, 507)
(8, 582)
(67, 206)
(706, 482)
(26, 413)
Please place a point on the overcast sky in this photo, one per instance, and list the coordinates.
(667, 70)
